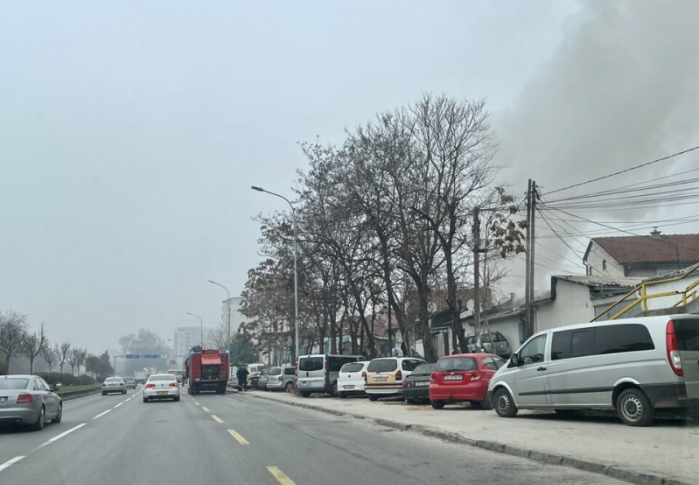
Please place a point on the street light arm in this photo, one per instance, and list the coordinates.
(260, 189)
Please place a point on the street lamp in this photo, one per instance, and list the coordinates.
(229, 314)
(201, 323)
(296, 273)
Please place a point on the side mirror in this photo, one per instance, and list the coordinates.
(514, 361)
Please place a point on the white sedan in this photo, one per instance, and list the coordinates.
(161, 386)
(350, 379)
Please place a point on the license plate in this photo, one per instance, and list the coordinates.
(453, 378)
(3, 399)
(422, 384)
(380, 378)
(162, 393)
(348, 387)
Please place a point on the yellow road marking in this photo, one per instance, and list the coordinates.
(280, 476)
(238, 437)
(217, 419)
(205, 409)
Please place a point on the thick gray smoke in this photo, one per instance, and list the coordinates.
(620, 90)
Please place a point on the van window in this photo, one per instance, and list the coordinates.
(384, 365)
(687, 331)
(533, 351)
(309, 364)
(336, 363)
(571, 343)
(630, 337)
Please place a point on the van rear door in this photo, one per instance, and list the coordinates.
(687, 331)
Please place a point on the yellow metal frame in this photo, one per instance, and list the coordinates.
(688, 295)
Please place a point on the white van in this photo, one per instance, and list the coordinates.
(633, 366)
(318, 372)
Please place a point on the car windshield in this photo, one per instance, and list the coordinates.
(11, 383)
(112, 380)
(382, 365)
(161, 378)
(448, 364)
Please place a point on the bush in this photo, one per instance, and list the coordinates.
(53, 378)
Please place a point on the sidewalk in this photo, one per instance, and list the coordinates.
(664, 454)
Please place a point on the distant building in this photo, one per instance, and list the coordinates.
(185, 338)
(237, 318)
(645, 256)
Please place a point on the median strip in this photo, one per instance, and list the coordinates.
(217, 419)
(280, 476)
(238, 437)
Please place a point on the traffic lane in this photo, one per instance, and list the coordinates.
(156, 442)
(21, 440)
(314, 448)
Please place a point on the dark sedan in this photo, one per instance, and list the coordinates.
(27, 399)
(416, 386)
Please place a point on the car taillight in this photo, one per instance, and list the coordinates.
(475, 376)
(174, 384)
(24, 398)
(326, 368)
(150, 385)
(364, 376)
(399, 375)
(673, 349)
(433, 377)
(406, 384)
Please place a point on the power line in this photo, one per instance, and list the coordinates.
(624, 171)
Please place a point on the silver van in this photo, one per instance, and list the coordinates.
(633, 366)
(318, 372)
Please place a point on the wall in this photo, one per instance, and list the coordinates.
(237, 318)
(668, 301)
(572, 305)
(595, 264)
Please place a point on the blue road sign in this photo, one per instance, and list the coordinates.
(151, 356)
(132, 356)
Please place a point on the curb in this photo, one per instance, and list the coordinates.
(614, 471)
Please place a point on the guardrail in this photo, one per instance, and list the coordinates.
(66, 396)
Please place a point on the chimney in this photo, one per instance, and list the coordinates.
(655, 234)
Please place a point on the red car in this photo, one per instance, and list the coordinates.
(463, 377)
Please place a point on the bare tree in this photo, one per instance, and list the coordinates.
(13, 327)
(49, 354)
(81, 359)
(219, 336)
(32, 345)
(62, 353)
(73, 359)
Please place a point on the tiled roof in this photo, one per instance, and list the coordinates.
(670, 248)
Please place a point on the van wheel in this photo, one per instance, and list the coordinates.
(438, 404)
(305, 393)
(504, 404)
(373, 398)
(634, 408)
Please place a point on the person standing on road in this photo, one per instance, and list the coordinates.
(242, 376)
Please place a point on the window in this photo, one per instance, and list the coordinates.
(612, 339)
(383, 365)
(424, 369)
(275, 371)
(533, 351)
(13, 383)
(289, 371)
(352, 367)
(604, 265)
(411, 364)
(456, 363)
(687, 331)
(308, 364)
(493, 363)
(571, 343)
(162, 378)
(336, 363)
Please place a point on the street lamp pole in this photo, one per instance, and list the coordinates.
(201, 331)
(228, 345)
(296, 272)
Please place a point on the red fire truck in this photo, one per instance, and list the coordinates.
(206, 370)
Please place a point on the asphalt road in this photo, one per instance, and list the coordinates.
(237, 439)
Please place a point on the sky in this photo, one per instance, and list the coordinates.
(131, 132)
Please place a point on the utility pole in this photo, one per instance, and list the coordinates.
(530, 250)
(476, 269)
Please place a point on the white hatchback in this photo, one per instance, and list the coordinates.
(350, 380)
(161, 386)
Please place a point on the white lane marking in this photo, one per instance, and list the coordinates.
(65, 433)
(101, 414)
(206, 409)
(8, 463)
(197, 403)
(118, 405)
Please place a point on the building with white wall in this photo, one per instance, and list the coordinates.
(237, 318)
(185, 338)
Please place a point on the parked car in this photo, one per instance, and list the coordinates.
(463, 378)
(113, 384)
(161, 386)
(633, 366)
(130, 383)
(493, 343)
(384, 376)
(262, 378)
(28, 399)
(416, 386)
(318, 372)
(282, 378)
(350, 379)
